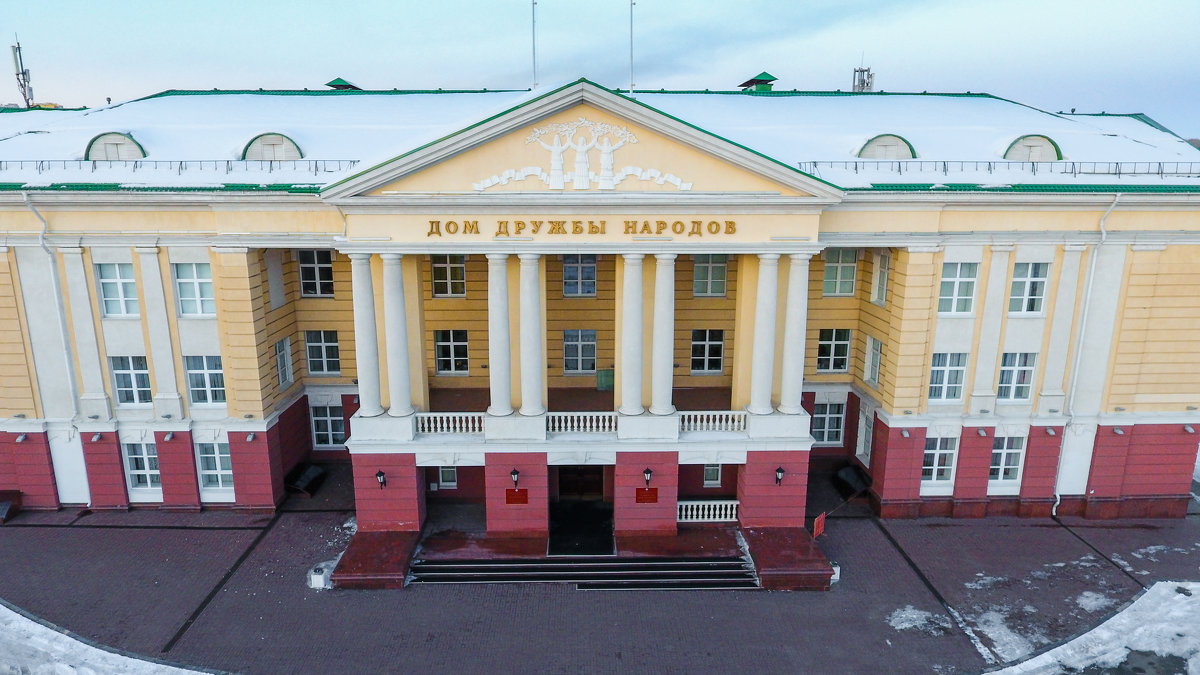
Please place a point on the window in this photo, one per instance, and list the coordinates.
(957, 295)
(886, 146)
(579, 276)
(114, 146)
(937, 468)
(712, 475)
(946, 376)
(450, 351)
(450, 276)
(316, 274)
(1028, 288)
(283, 361)
(840, 264)
(215, 465)
(118, 291)
(322, 348)
(883, 264)
(579, 352)
(708, 275)
(329, 425)
(708, 347)
(1004, 476)
(131, 379)
(827, 422)
(206, 380)
(193, 282)
(272, 147)
(874, 361)
(1016, 376)
(141, 466)
(833, 350)
(1033, 149)
(448, 477)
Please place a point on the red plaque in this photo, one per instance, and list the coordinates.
(818, 526)
(647, 495)
(516, 496)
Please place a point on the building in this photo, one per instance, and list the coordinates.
(670, 302)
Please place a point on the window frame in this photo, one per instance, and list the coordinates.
(708, 342)
(711, 482)
(879, 281)
(577, 339)
(948, 369)
(935, 486)
(283, 363)
(836, 266)
(210, 373)
(831, 346)
(704, 288)
(1001, 485)
(136, 377)
(873, 364)
(327, 352)
(1032, 289)
(316, 274)
(325, 413)
(445, 266)
(448, 338)
(957, 294)
(120, 284)
(1023, 364)
(580, 263)
(447, 484)
(223, 490)
(150, 470)
(198, 284)
(824, 412)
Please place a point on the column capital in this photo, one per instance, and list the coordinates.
(768, 258)
(359, 256)
(633, 256)
(392, 258)
(497, 257)
(800, 257)
(664, 258)
(529, 258)
(146, 250)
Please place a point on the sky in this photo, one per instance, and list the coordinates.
(1091, 55)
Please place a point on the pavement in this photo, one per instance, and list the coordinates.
(226, 591)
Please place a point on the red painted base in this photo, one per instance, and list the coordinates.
(376, 560)
(788, 559)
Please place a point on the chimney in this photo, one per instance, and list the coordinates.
(760, 82)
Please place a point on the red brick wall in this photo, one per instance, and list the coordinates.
(765, 504)
(850, 424)
(177, 469)
(105, 470)
(896, 462)
(257, 471)
(32, 471)
(291, 437)
(974, 462)
(1040, 472)
(470, 485)
(1109, 453)
(1160, 460)
(660, 517)
(400, 505)
(349, 407)
(691, 482)
(525, 520)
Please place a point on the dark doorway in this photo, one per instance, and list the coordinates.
(581, 522)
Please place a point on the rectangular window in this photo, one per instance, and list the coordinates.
(316, 274)
(946, 376)
(833, 350)
(323, 355)
(449, 276)
(206, 380)
(1016, 376)
(579, 276)
(712, 475)
(579, 352)
(708, 275)
(141, 466)
(329, 425)
(448, 477)
(883, 264)
(215, 465)
(283, 362)
(874, 361)
(957, 294)
(1028, 288)
(708, 349)
(193, 283)
(450, 351)
(828, 419)
(131, 379)
(937, 467)
(840, 265)
(118, 291)
(1004, 475)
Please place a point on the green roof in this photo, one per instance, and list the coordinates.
(117, 187)
(1021, 187)
(317, 92)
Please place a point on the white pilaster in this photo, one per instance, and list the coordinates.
(795, 323)
(631, 336)
(533, 356)
(762, 366)
(167, 402)
(395, 325)
(662, 357)
(1053, 396)
(366, 345)
(93, 401)
(995, 306)
(499, 350)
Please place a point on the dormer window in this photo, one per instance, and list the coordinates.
(272, 148)
(114, 146)
(887, 146)
(1033, 149)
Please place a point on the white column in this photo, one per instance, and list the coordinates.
(762, 367)
(795, 325)
(533, 357)
(662, 357)
(631, 336)
(995, 306)
(366, 345)
(499, 351)
(92, 399)
(167, 402)
(395, 330)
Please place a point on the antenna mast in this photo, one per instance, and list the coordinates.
(864, 79)
(22, 74)
(533, 11)
(631, 4)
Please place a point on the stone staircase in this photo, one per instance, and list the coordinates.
(595, 573)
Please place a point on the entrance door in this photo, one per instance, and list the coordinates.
(581, 522)
(580, 483)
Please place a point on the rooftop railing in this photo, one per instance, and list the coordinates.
(315, 167)
(1060, 168)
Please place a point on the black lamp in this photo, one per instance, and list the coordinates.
(514, 474)
(647, 474)
(381, 477)
(779, 476)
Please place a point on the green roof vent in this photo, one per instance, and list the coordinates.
(760, 82)
(343, 85)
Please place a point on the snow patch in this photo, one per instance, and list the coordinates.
(911, 618)
(1092, 601)
(1007, 644)
(982, 581)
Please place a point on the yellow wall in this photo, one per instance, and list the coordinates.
(18, 389)
(563, 313)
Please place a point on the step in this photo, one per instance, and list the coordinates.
(578, 577)
(674, 585)
(468, 567)
(575, 561)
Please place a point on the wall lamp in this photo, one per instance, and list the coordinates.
(515, 475)
(904, 433)
(1189, 428)
(381, 477)
(1050, 431)
(170, 436)
(647, 474)
(96, 437)
(250, 437)
(981, 432)
(21, 438)
(779, 476)
(1118, 431)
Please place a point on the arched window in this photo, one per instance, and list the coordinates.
(272, 147)
(114, 145)
(887, 146)
(1033, 149)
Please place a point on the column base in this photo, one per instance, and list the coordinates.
(777, 426)
(515, 428)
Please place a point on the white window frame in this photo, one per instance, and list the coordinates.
(1008, 455)
(879, 284)
(829, 344)
(139, 380)
(444, 270)
(328, 424)
(841, 268)
(874, 362)
(711, 479)
(117, 287)
(956, 293)
(215, 462)
(829, 420)
(443, 473)
(947, 374)
(1028, 295)
(141, 461)
(454, 340)
(195, 287)
(866, 435)
(579, 275)
(316, 273)
(322, 353)
(944, 454)
(283, 362)
(710, 275)
(205, 377)
(1017, 370)
(576, 344)
(709, 341)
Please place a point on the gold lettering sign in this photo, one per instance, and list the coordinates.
(575, 228)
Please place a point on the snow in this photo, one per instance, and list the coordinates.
(911, 618)
(1092, 601)
(1007, 644)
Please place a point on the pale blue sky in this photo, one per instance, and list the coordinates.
(1093, 55)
